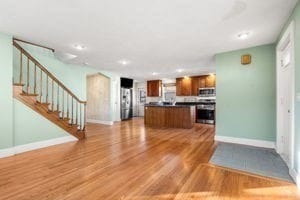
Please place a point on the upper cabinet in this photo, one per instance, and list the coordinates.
(210, 80)
(195, 86)
(154, 88)
(189, 86)
(197, 82)
(184, 86)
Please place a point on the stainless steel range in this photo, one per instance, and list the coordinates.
(206, 106)
(206, 112)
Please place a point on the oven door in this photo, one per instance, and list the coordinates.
(205, 115)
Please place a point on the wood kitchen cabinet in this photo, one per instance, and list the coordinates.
(184, 86)
(210, 80)
(190, 86)
(197, 82)
(195, 85)
(170, 116)
(154, 88)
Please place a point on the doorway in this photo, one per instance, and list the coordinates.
(285, 96)
(141, 100)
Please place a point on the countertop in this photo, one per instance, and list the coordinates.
(168, 106)
(194, 103)
(179, 104)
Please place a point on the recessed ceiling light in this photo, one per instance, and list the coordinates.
(79, 47)
(86, 63)
(244, 35)
(124, 62)
(154, 73)
(179, 70)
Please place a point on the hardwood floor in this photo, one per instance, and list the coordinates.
(129, 161)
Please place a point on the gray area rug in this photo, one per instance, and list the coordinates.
(261, 161)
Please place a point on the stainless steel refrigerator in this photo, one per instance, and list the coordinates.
(126, 103)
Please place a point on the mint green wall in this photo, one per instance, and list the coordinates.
(30, 126)
(6, 105)
(296, 18)
(246, 94)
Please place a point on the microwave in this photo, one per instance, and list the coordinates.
(207, 92)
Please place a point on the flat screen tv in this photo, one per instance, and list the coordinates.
(126, 83)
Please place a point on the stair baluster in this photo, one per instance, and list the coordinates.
(21, 68)
(68, 106)
(72, 112)
(52, 94)
(34, 87)
(84, 119)
(80, 118)
(27, 85)
(63, 104)
(57, 101)
(41, 86)
(76, 112)
(47, 89)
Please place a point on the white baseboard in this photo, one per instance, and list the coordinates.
(43, 144)
(250, 142)
(35, 145)
(100, 122)
(7, 152)
(118, 120)
(295, 176)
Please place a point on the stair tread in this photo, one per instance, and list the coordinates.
(28, 94)
(19, 84)
(42, 102)
(54, 111)
(64, 119)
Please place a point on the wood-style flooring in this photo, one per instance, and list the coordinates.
(129, 161)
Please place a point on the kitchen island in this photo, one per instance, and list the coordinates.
(170, 116)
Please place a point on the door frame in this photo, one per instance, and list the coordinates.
(138, 99)
(288, 36)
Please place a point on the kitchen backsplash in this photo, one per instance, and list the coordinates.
(178, 99)
(187, 98)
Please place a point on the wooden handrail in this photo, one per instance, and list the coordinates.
(51, 49)
(49, 74)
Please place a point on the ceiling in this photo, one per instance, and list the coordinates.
(152, 35)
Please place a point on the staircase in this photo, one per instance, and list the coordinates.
(40, 90)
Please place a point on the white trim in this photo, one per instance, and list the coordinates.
(6, 152)
(118, 120)
(295, 176)
(289, 35)
(100, 122)
(35, 145)
(43, 144)
(244, 141)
